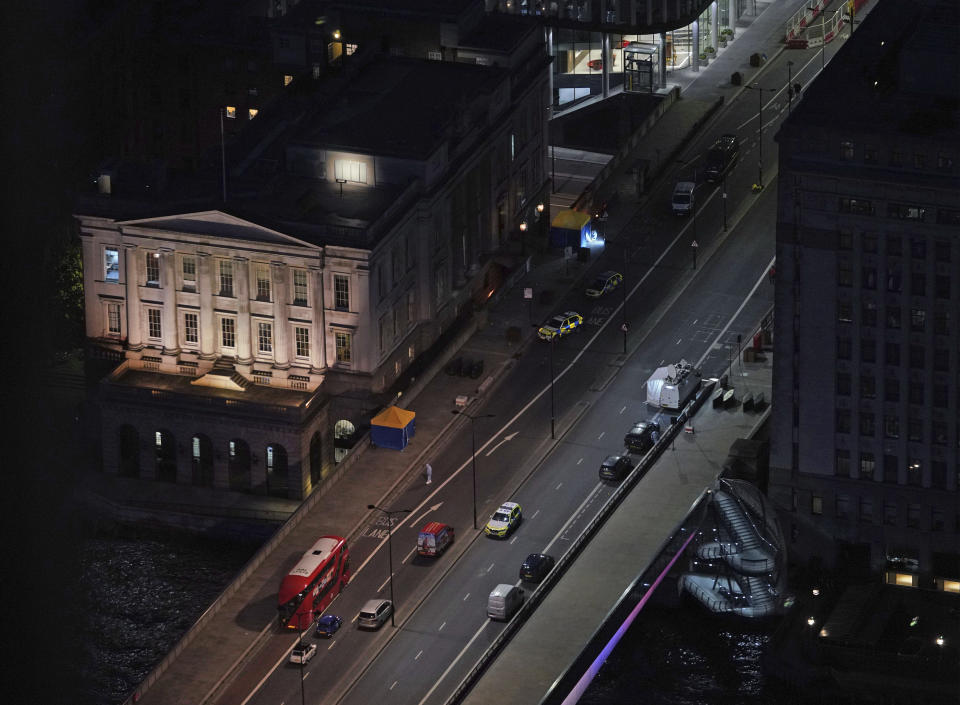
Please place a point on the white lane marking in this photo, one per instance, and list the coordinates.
(679, 340)
(331, 644)
(483, 626)
(558, 486)
(694, 321)
(441, 627)
(623, 409)
(491, 567)
(306, 674)
(419, 654)
(580, 461)
(384, 584)
(406, 557)
(418, 519)
(602, 434)
(737, 312)
(767, 90)
(505, 439)
(535, 514)
(394, 685)
(513, 540)
(466, 596)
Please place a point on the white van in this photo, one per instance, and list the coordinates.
(682, 201)
(504, 601)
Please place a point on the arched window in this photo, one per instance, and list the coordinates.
(201, 460)
(343, 439)
(316, 459)
(165, 452)
(277, 480)
(129, 451)
(238, 463)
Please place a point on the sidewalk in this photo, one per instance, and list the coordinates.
(203, 663)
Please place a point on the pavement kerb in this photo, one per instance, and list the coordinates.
(427, 588)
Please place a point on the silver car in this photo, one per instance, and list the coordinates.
(374, 613)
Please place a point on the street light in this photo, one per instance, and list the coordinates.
(300, 616)
(390, 513)
(473, 439)
(756, 87)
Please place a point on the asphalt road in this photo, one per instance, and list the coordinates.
(675, 312)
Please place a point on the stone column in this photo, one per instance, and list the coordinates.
(553, 64)
(244, 355)
(134, 326)
(208, 348)
(168, 278)
(663, 61)
(281, 345)
(695, 46)
(607, 58)
(318, 351)
(734, 14)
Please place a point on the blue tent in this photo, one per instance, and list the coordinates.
(393, 428)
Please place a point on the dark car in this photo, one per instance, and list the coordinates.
(642, 436)
(721, 156)
(328, 625)
(615, 467)
(536, 567)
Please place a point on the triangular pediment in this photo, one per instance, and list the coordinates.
(215, 223)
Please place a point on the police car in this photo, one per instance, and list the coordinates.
(605, 282)
(504, 520)
(560, 325)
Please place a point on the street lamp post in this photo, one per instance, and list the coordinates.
(473, 455)
(390, 513)
(300, 617)
(623, 285)
(756, 87)
(553, 405)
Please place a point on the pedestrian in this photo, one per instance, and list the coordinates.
(429, 473)
(772, 274)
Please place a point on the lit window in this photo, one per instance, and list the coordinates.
(113, 319)
(111, 264)
(264, 337)
(190, 328)
(341, 292)
(228, 332)
(154, 329)
(302, 337)
(287, 79)
(189, 268)
(816, 505)
(232, 112)
(299, 287)
(351, 49)
(153, 269)
(351, 170)
(252, 113)
(904, 579)
(433, 55)
(226, 278)
(344, 343)
(951, 586)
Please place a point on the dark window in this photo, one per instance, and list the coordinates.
(891, 426)
(918, 284)
(890, 463)
(938, 474)
(844, 311)
(844, 273)
(867, 466)
(868, 387)
(944, 162)
(866, 424)
(948, 216)
(870, 155)
(941, 249)
(889, 513)
(936, 519)
(843, 383)
(845, 239)
(942, 286)
(843, 463)
(941, 359)
(843, 348)
(939, 433)
(913, 516)
(916, 392)
(870, 242)
(893, 317)
(857, 206)
(919, 161)
(941, 396)
(918, 354)
(906, 211)
(896, 158)
(892, 353)
(868, 313)
(894, 245)
(846, 150)
(894, 278)
(941, 322)
(866, 510)
(914, 472)
(843, 422)
(891, 389)
(915, 430)
(868, 350)
(868, 277)
(918, 320)
(918, 248)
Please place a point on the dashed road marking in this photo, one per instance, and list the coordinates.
(419, 654)
(466, 596)
(558, 486)
(441, 627)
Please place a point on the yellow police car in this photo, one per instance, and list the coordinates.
(504, 520)
(560, 325)
(605, 282)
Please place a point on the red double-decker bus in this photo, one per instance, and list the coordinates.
(314, 581)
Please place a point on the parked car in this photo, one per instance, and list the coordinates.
(434, 538)
(535, 567)
(605, 282)
(504, 520)
(615, 467)
(374, 613)
(642, 436)
(328, 625)
(303, 652)
(682, 201)
(595, 64)
(560, 325)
